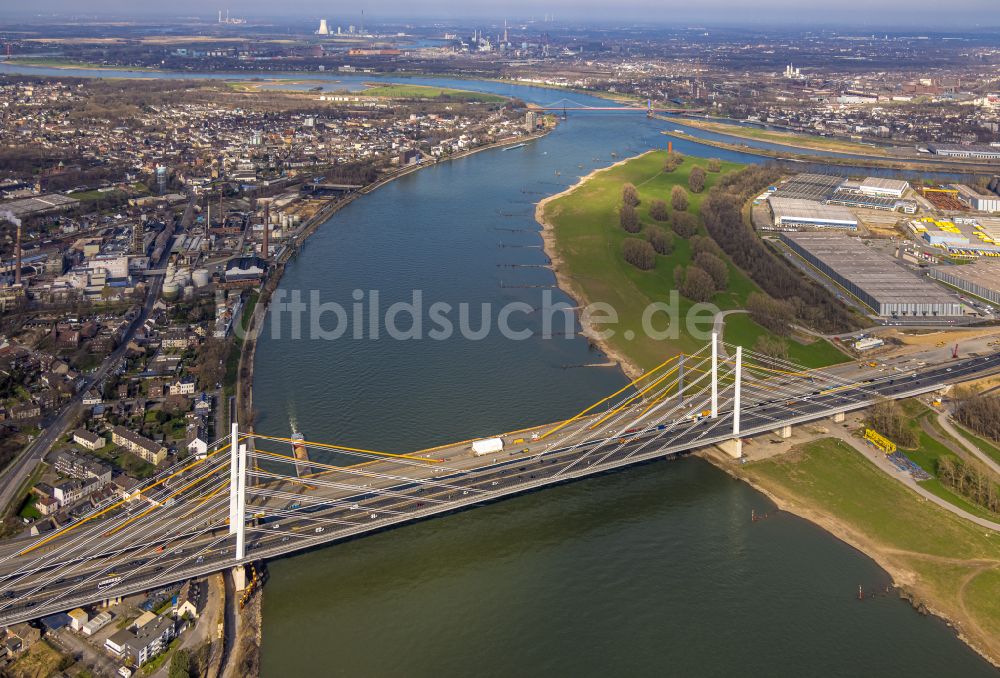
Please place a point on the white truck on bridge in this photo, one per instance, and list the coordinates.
(487, 446)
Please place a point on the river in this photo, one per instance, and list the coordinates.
(651, 571)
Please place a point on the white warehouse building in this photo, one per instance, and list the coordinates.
(893, 188)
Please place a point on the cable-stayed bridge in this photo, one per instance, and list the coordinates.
(568, 105)
(256, 496)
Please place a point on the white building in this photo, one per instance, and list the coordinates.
(893, 188)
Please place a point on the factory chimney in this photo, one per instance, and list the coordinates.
(267, 228)
(17, 256)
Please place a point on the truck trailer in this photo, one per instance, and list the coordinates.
(487, 446)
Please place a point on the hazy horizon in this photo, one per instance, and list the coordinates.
(860, 14)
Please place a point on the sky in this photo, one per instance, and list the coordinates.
(928, 13)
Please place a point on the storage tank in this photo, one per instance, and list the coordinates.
(189, 291)
(200, 277)
(170, 290)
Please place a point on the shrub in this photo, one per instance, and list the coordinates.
(673, 161)
(715, 267)
(698, 285)
(679, 199)
(639, 253)
(773, 347)
(629, 219)
(658, 210)
(630, 196)
(696, 180)
(702, 243)
(684, 224)
(714, 165)
(661, 241)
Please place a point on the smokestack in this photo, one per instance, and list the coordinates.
(17, 258)
(267, 227)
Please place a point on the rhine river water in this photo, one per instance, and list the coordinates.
(652, 571)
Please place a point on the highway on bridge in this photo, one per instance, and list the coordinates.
(179, 528)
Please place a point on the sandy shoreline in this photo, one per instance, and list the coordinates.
(566, 283)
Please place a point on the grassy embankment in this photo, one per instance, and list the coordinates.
(792, 139)
(871, 159)
(405, 91)
(933, 445)
(587, 242)
(61, 62)
(946, 563)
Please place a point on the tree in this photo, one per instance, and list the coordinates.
(673, 161)
(210, 363)
(772, 314)
(714, 165)
(684, 224)
(180, 665)
(661, 241)
(658, 210)
(629, 218)
(888, 418)
(696, 180)
(630, 196)
(773, 347)
(698, 285)
(702, 243)
(639, 253)
(679, 199)
(715, 267)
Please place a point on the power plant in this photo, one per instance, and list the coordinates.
(323, 28)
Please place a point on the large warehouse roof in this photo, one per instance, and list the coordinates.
(792, 210)
(26, 207)
(878, 279)
(981, 278)
(817, 187)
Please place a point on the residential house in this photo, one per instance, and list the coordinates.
(88, 439)
(141, 446)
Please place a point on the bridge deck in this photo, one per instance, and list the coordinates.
(340, 502)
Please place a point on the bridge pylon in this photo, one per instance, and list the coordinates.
(234, 461)
(734, 446)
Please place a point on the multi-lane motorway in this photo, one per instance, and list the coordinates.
(188, 536)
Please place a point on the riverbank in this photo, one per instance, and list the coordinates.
(786, 138)
(942, 564)
(569, 285)
(867, 163)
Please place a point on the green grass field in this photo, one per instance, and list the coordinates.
(786, 138)
(929, 451)
(955, 562)
(402, 91)
(742, 330)
(990, 448)
(589, 240)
